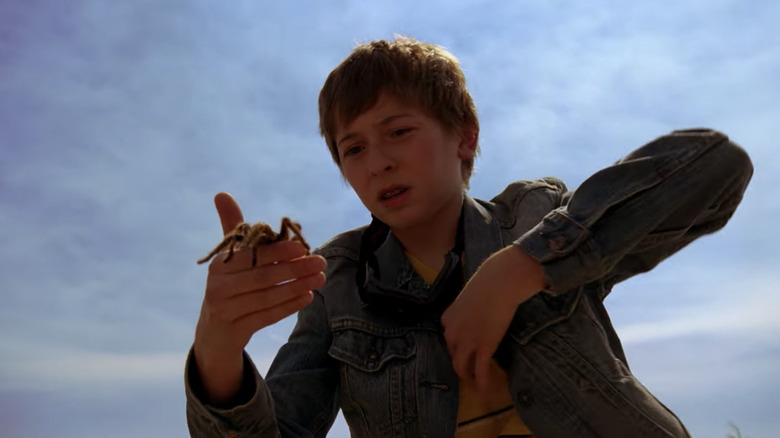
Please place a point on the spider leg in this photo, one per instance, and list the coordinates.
(284, 230)
(217, 249)
(287, 226)
(239, 237)
(230, 252)
(254, 255)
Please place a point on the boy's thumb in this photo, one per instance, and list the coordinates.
(229, 211)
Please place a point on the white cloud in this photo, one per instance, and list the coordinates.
(51, 367)
(746, 310)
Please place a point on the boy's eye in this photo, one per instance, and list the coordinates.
(352, 150)
(400, 132)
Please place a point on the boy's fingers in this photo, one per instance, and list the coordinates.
(464, 366)
(229, 212)
(286, 250)
(261, 300)
(481, 375)
(259, 320)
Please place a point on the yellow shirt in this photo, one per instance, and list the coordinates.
(478, 418)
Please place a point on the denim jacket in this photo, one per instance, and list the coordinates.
(568, 376)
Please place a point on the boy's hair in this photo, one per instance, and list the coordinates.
(420, 73)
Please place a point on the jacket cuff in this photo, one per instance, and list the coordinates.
(561, 245)
(251, 410)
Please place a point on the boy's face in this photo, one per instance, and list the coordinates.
(403, 165)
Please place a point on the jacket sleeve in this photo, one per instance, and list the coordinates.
(298, 397)
(627, 218)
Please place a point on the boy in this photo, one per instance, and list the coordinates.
(451, 316)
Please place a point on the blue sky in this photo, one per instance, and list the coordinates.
(119, 121)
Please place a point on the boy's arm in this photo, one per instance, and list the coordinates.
(297, 398)
(622, 221)
(627, 218)
(250, 410)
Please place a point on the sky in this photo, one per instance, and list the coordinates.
(119, 121)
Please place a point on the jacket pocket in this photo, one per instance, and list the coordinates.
(370, 350)
(377, 376)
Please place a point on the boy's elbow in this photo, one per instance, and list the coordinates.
(730, 169)
(725, 161)
(744, 163)
(737, 163)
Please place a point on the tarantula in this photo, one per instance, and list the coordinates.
(254, 236)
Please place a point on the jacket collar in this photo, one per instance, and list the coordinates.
(482, 238)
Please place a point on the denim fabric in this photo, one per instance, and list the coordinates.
(391, 373)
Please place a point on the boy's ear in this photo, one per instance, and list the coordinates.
(469, 136)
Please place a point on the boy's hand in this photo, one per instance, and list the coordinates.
(241, 299)
(478, 319)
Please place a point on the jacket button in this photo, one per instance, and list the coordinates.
(373, 356)
(556, 243)
(524, 398)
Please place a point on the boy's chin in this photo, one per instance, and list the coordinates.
(398, 221)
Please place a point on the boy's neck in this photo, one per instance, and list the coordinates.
(430, 241)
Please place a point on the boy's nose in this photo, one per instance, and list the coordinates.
(380, 162)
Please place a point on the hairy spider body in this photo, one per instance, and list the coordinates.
(255, 236)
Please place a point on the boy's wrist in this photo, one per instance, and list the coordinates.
(220, 378)
(521, 271)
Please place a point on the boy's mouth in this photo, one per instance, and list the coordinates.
(391, 192)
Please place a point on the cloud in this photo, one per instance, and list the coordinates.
(53, 367)
(710, 379)
(750, 314)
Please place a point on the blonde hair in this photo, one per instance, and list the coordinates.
(417, 72)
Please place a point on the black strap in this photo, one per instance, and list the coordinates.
(445, 289)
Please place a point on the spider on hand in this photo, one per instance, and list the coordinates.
(254, 236)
